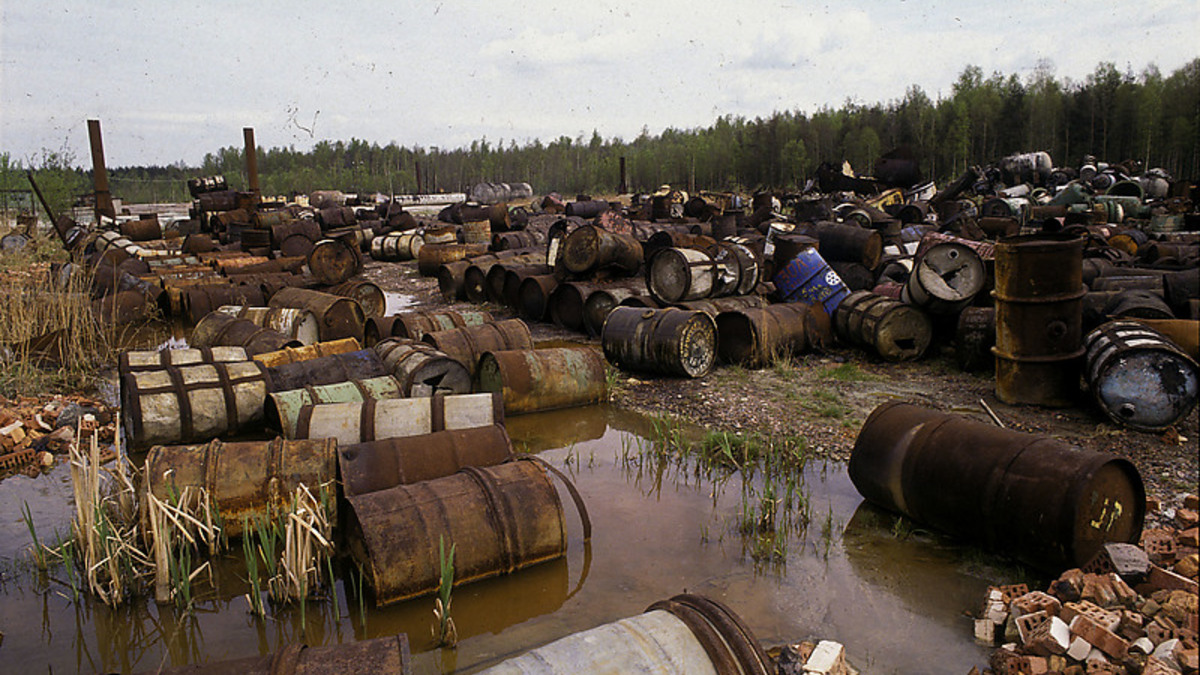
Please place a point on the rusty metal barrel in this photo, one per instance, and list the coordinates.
(686, 634)
(333, 261)
(421, 369)
(397, 246)
(389, 654)
(590, 248)
(218, 329)
(533, 296)
(337, 317)
(368, 294)
(544, 379)
(945, 279)
(755, 337)
(142, 229)
(477, 232)
(468, 343)
(807, 278)
(714, 306)
(669, 341)
(1039, 319)
(358, 365)
(378, 465)
(1033, 497)
(683, 274)
(504, 241)
(135, 360)
(602, 301)
(848, 243)
(254, 480)
(414, 325)
(297, 324)
(283, 407)
(372, 420)
(124, 307)
(433, 256)
(185, 404)
(307, 352)
(974, 337)
(198, 301)
(893, 330)
(1139, 377)
(500, 519)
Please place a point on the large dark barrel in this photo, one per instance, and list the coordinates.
(468, 343)
(686, 634)
(602, 301)
(1039, 319)
(198, 301)
(755, 337)
(378, 465)
(544, 379)
(475, 277)
(501, 518)
(357, 365)
(893, 330)
(1140, 378)
(533, 296)
(313, 351)
(337, 317)
(421, 369)
(251, 481)
(1033, 497)
(192, 403)
(333, 261)
(848, 243)
(218, 329)
(670, 341)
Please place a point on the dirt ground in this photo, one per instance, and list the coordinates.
(825, 398)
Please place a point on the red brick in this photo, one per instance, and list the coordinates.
(1191, 501)
(1188, 537)
(1036, 601)
(1104, 617)
(1159, 544)
(1099, 636)
(1157, 667)
(1186, 518)
(1161, 629)
(1168, 580)
(1027, 624)
(1049, 637)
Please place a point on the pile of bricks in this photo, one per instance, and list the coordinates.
(30, 436)
(1131, 610)
(813, 658)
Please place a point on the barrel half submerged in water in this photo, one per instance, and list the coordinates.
(1033, 497)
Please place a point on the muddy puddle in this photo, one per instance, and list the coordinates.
(896, 597)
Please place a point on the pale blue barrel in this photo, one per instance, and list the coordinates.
(807, 278)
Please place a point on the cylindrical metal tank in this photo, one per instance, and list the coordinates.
(298, 324)
(421, 369)
(218, 329)
(337, 317)
(893, 330)
(544, 379)
(283, 407)
(342, 367)
(1140, 378)
(186, 404)
(755, 337)
(135, 360)
(373, 420)
(670, 341)
(378, 465)
(313, 351)
(468, 343)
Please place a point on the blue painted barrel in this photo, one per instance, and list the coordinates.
(807, 278)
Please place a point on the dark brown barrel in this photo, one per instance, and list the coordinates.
(198, 301)
(755, 337)
(142, 229)
(589, 208)
(371, 420)
(414, 325)
(533, 296)
(1033, 497)
(283, 408)
(495, 273)
(475, 277)
(333, 261)
(421, 369)
(123, 307)
(945, 279)
(308, 352)
(378, 465)
(504, 241)
(218, 329)
(514, 277)
(433, 256)
(358, 365)
(672, 239)
(336, 216)
(974, 337)
(893, 330)
(366, 293)
(501, 518)
(136, 360)
(397, 246)
(669, 341)
(1039, 319)
(849, 243)
(450, 280)
(1137, 304)
(468, 343)
(246, 481)
(1139, 377)
(602, 301)
(309, 229)
(218, 200)
(187, 404)
(566, 304)
(298, 324)
(590, 248)
(544, 379)
(337, 317)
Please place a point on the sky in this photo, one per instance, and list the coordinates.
(171, 80)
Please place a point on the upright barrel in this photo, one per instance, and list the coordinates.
(544, 379)
(1140, 378)
(669, 341)
(1034, 497)
(378, 465)
(185, 404)
(1039, 319)
(254, 480)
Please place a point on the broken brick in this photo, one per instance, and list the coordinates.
(1049, 638)
(1159, 544)
(1185, 518)
(1036, 601)
(1027, 624)
(1100, 637)
(1104, 617)
(1166, 579)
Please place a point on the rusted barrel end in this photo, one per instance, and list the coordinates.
(544, 379)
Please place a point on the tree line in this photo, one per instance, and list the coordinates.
(1112, 114)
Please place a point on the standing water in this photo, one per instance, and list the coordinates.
(830, 567)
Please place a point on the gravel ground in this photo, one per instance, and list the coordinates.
(826, 397)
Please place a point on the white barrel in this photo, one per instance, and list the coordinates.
(362, 421)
